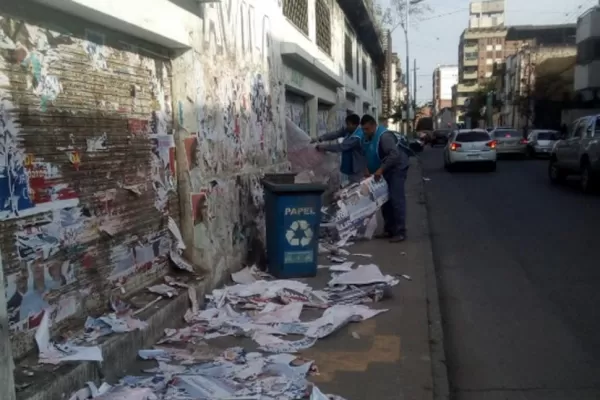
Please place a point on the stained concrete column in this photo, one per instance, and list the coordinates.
(312, 105)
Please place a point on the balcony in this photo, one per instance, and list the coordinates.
(467, 75)
(462, 88)
(470, 62)
(460, 101)
(471, 48)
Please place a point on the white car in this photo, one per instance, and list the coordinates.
(470, 146)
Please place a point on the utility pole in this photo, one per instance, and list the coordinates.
(7, 380)
(415, 81)
(406, 29)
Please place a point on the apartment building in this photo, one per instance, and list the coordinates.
(333, 58)
(486, 14)
(587, 69)
(444, 77)
(478, 50)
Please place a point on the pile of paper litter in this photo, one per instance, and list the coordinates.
(269, 312)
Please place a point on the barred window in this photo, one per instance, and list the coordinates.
(364, 73)
(297, 12)
(348, 54)
(323, 26)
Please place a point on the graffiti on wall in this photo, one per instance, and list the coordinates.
(322, 117)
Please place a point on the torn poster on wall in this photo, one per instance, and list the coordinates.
(163, 168)
(28, 292)
(138, 255)
(28, 185)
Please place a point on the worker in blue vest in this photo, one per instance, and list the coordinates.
(354, 163)
(386, 159)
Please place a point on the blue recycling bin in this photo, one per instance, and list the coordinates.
(293, 216)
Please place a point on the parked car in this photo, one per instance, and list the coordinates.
(540, 142)
(509, 141)
(470, 146)
(440, 136)
(578, 153)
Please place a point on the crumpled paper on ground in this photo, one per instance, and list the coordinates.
(55, 353)
(310, 164)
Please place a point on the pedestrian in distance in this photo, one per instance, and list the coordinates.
(385, 159)
(353, 163)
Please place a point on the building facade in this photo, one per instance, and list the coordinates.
(537, 81)
(587, 70)
(118, 123)
(444, 77)
(486, 13)
(478, 50)
(332, 62)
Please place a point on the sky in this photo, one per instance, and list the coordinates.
(434, 39)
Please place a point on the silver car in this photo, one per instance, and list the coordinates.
(509, 141)
(540, 142)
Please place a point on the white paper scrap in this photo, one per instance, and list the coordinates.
(177, 233)
(180, 262)
(362, 275)
(243, 276)
(51, 353)
(363, 255)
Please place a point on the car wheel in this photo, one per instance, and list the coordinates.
(589, 182)
(492, 167)
(555, 173)
(530, 152)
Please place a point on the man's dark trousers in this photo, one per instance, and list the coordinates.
(394, 210)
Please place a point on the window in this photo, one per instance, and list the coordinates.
(472, 136)
(489, 47)
(364, 73)
(498, 47)
(323, 21)
(506, 133)
(489, 61)
(348, 54)
(547, 135)
(490, 41)
(597, 127)
(578, 132)
(297, 12)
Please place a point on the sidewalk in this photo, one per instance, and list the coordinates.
(395, 355)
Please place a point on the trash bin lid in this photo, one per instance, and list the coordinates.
(294, 187)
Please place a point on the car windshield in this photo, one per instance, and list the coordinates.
(547, 136)
(506, 133)
(472, 136)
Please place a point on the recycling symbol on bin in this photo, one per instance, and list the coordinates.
(299, 233)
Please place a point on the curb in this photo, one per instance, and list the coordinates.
(118, 350)
(439, 371)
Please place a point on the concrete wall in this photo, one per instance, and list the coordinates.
(86, 166)
(112, 101)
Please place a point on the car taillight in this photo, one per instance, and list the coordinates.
(492, 144)
(523, 141)
(454, 146)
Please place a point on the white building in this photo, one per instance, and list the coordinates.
(486, 13)
(444, 77)
(587, 69)
(330, 52)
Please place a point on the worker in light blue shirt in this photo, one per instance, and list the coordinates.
(353, 163)
(386, 158)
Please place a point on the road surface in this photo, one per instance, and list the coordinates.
(518, 264)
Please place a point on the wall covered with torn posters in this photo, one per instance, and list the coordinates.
(87, 165)
(232, 110)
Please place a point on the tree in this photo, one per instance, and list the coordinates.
(394, 16)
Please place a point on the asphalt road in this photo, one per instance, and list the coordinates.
(518, 264)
